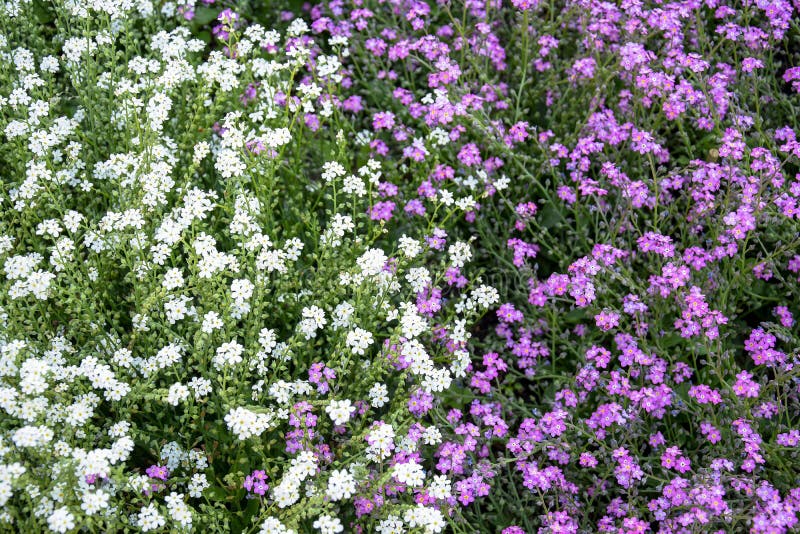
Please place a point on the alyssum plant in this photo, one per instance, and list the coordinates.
(204, 323)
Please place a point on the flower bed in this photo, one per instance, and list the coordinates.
(399, 266)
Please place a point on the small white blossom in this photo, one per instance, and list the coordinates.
(340, 411)
(378, 395)
(61, 520)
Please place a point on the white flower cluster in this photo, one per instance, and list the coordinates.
(288, 491)
(328, 525)
(166, 357)
(313, 320)
(339, 226)
(341, 485)
(381, 442)
(246, 424)
(272, 525)
(179, 512)
(378, 395)
(359, 340)
(149, 518)
(228, 355)
(340, 411)
(409, 473)
(27, 279)
(428, 518)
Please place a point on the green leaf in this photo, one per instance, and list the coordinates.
(204, 36)
(575, 316)
(253, 506)
(216, 494)
(204, 15)
(549, 216)
(43, 15)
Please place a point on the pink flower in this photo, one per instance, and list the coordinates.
(607, 320)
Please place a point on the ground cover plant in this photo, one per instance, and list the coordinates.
(399, 266)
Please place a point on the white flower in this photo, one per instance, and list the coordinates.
(332, 170)
(172, 279)
(273, 526)
(327, 66)
(149, 518)
(267, 340)
(486, 296)
(173, 454)
(242, 289)
(430, 519)
(341, 485)
(139, 322)
(246, 424)
(353, 185)
(121, 449)
(34, 436)
(419, 278)
(411, 323)
(441, 487)
(178, 511)
(502, 183)
(432, 436)
(371, 262)
(342, 314)
(61, 520)
(297, 27)
(340, 411)
(95, 462)
(177, 394)
(201, 150)
(201, 386)
(286, 493)
(94, 501)
(381, 442)
(391, 525)
(378, 395)
(211, 322)
(313, 320)
(359, 340)
(409, 473)
(197, 484)
(228, 163)
(460, 253)
(410, 247)
(228, 354)
(168, 355)
(436, 380)
(328, 525)
(119, 429)
(176, 308)
(421, 363)
(316, 314)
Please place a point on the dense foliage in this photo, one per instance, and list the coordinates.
(400, 266)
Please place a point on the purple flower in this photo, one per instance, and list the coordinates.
(158, 472)
(607, 320)
(255, 482)
(382, 211)
(469, 155)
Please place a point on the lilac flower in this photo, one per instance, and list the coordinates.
(469, 155)
(255, 483)
(525, 5)
(382, 211)
(158, 472)
(607, 320)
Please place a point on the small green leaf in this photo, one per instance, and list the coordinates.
(204, 15)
